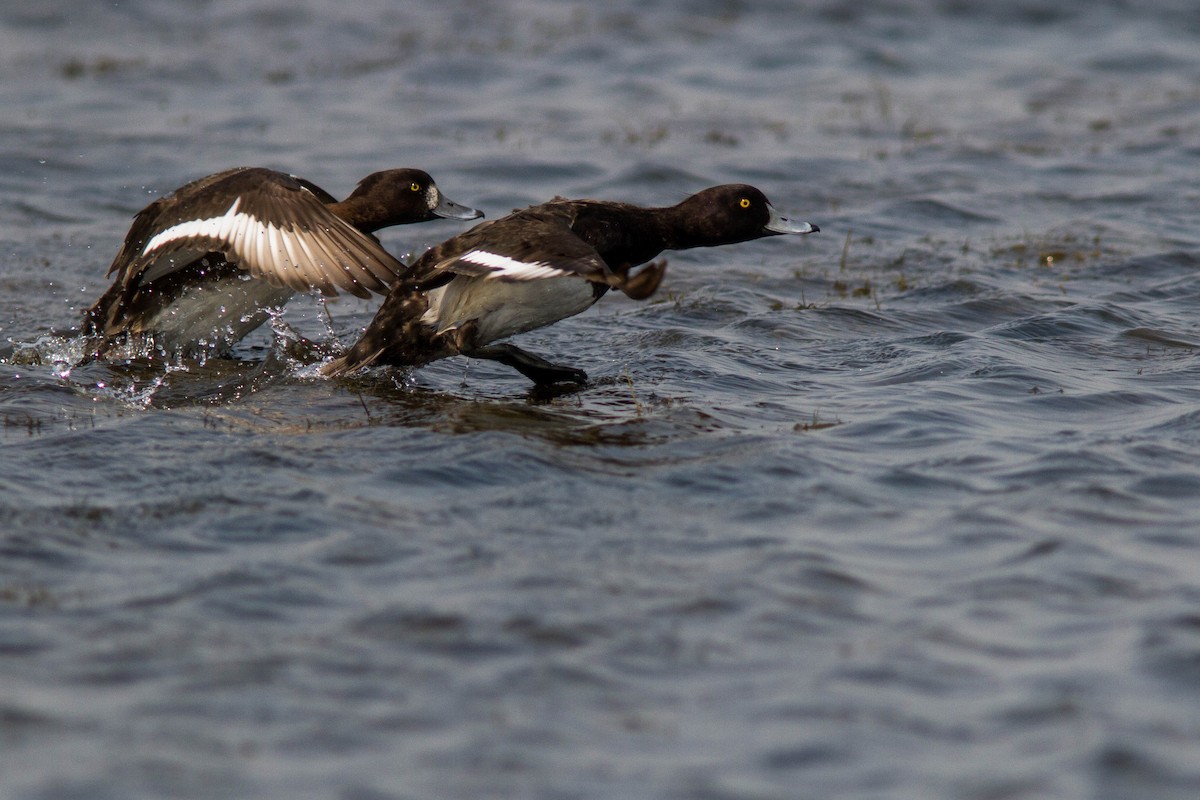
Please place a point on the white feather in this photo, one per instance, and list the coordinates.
(214, 227)
(511, 268)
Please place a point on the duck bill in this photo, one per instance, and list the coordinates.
(778, 224)
(448, 209)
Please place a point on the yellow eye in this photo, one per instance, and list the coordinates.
(744, 202)
(416, 187)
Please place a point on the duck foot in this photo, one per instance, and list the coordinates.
(644, 283)
(537, 369)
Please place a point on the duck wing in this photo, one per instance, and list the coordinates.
(271, 225)
(524, 246)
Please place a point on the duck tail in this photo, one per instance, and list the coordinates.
(352, 361)
(336, 368)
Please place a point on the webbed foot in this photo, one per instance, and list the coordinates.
(645, 283)
(537, 369)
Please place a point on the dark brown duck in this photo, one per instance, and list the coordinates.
(206, 265)
(543, 264)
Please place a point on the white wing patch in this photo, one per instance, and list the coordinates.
(511, 268)
(265, 245)
(331, 257)
(224, 228)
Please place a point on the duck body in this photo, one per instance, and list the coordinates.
(540, 265)
(209, 263)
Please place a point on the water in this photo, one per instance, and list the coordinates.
(906, 509)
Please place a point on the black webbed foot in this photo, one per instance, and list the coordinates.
(537, 369)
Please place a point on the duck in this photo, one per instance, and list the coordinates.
(207, 264)
(543, 264)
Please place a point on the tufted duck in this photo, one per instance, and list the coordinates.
(207, 264)
(543, 264)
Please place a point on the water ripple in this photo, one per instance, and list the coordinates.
(902, 509)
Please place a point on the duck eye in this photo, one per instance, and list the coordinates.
(744, 202)
(416, 187)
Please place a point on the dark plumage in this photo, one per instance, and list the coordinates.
(542, 264)
(205, 265)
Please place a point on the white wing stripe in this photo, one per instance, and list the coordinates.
(262, 245)
(224, 226)
(279, 253)
(505, 267)
(333, 256)
(237, 231)
(292, 248)
(203, 228)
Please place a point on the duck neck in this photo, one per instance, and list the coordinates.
(678, 229)
(362, 215)
(644, 233)
(675, 228)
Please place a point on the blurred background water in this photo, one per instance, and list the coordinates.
(906, 509)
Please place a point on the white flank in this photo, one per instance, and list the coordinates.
(505, 267)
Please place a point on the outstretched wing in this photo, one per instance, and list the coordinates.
(269, 224)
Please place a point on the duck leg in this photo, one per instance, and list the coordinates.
(537, 369)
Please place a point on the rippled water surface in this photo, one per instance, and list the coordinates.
(908, 509)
